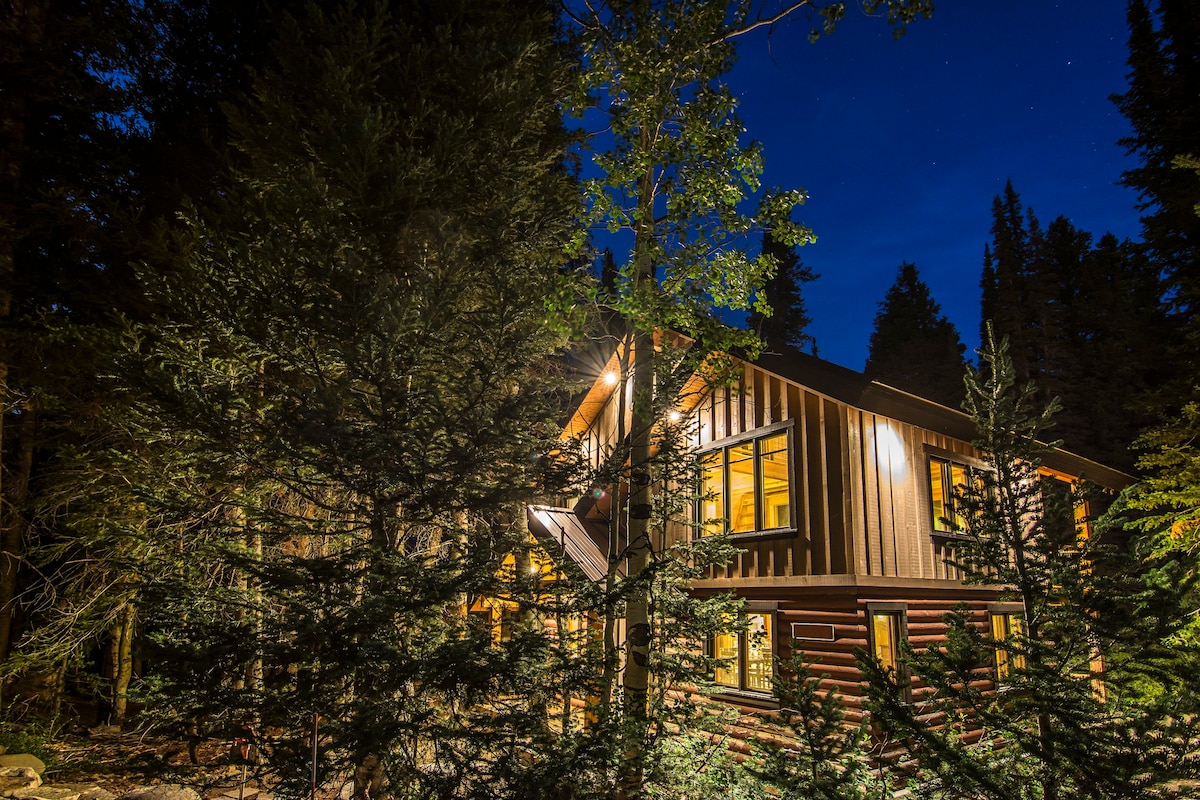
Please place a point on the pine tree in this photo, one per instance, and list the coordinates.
(809, 750)
(1058, 725)
(112, 117)
(1160, 104)
(785, 325)
(66, 128)
(914, 347)
(1082, 318)
(344, 390)
(1005, 266)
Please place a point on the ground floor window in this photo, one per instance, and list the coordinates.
(888, 629)
(1005, 626)
(750, 655)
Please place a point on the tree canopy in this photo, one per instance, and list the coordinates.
(1082, 317)
(786, 325)
(914, 346)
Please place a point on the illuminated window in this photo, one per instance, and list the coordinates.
(1006, 628)
(747, 486)
(749, 655)
(885, 637)
(944, 477)
(1061, 493)
(887, 633)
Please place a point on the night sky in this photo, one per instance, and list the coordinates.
(903, 144)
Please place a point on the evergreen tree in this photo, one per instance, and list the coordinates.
(110, 114)
(1162, 109)
(1082, 318)
(1070, 717)
(914, 347)
(809, 750)
(1006, 263)
(1167, 501)
(67, 124)
(785, 325)
(1160, 104)
(343, 389)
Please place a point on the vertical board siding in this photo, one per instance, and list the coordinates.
(817, 486)
(799, 552)
(880, 435)
(870, 508)
(836, 447)
(860, 481)
(859, 544)
(919, 549)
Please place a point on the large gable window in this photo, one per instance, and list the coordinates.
(747, 485)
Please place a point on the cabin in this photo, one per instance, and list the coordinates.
(836, 490)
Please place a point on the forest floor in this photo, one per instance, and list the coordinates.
(118, 761)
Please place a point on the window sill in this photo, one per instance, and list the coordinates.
(772, 533)
(950, 536)
(746, 697)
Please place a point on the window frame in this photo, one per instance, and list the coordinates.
(1081, 507)
(898, 612)
(724, 446)
(1010, 612)
(741, 667)
(950, 460)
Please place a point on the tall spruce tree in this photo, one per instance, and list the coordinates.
(914, 346)
(1160, 104)
(785, 326)
(1082, 319)
(810, 750)
(344, 391)
(1164, 60)
(111, 115)
(1070, 717)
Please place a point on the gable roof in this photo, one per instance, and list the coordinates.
(856, 389)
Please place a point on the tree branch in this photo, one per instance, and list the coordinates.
(786, 12)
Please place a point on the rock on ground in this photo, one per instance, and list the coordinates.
(13, 779)
(23, 760)
(46, 793)
(166, 791)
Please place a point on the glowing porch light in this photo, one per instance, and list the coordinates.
(674, 416)
(610, 379)
(890, 447)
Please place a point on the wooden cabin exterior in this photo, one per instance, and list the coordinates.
(835, 489)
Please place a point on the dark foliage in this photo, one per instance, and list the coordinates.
(785, 326)
(914, 347)
(1082, 318)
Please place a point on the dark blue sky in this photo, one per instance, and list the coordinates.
(902, 144)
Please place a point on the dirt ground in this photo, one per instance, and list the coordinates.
(118, 761)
